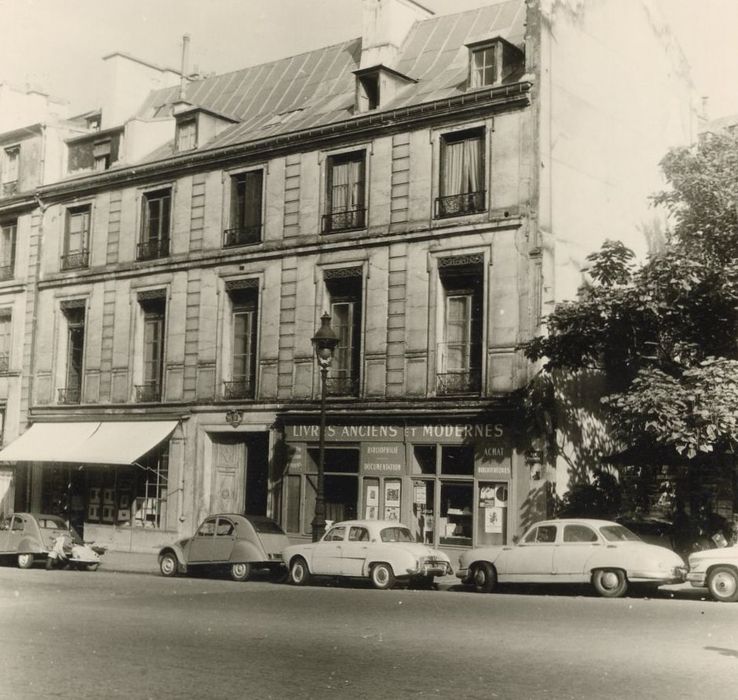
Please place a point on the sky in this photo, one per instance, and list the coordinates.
(57, 45)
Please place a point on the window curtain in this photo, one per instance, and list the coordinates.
(347, 187)
(462, 167)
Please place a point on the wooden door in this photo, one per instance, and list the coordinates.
(229, 460)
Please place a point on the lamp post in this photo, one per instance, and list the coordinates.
(324, 341)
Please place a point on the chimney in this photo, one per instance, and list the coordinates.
(385, 26)
(183, 70)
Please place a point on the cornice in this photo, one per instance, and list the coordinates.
(468, 104)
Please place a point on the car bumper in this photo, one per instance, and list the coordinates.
(697, 578)
(433, 569)
(463, 574)
(676, 575)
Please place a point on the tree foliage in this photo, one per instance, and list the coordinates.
(665, 332)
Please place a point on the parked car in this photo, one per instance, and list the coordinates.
(650, 529)
(600, 552)
(718, 570)
(383, 551)
(238, 543)
(32, 537)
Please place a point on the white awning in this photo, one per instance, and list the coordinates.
(108, 442)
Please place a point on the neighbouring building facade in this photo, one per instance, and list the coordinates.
(433, 185)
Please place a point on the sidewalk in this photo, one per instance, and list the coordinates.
(130, 562)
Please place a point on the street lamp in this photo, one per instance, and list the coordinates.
(324, 341)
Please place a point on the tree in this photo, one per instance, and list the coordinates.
(665, 333)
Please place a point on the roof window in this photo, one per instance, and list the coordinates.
(493, 62)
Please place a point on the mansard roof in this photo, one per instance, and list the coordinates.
(317, 88)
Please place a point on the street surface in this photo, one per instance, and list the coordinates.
(69, 634)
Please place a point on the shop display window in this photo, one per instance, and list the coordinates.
(455, 521)
(340, 485)
(424, 459)
(292, 506)
(424, 498)
(457, 460)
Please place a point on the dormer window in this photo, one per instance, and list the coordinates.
(187, 134)
(377, 86)
(492, 62)
(368, 92)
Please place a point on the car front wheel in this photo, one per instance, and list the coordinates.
(169, 565)
(241, 572)
(484, 577)
(25, 561)
(723, 584)
(382, 576)
(299, 572)
(610, 583)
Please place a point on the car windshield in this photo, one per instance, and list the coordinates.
(396, 534)
(618, 533)
(265, 526)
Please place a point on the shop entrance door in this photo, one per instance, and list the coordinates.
(240, 473)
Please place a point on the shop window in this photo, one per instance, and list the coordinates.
(8, 237)
(154, 317)
(492, 514)
(459, 352)
(457, 460)
(10, 170)
(71, 393)
(155, 226)
(76, 239)
(424, 499)
(243, 343)
(345, 292)
(424, 459)
(345, 192)
(341, 485)
(292, 503)
(6, 322)
(462, 174)
(246, 209)
(455, 521)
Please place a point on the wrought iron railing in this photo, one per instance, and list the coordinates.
(342, 385)
(344, 220)
(148, 393)
(460, 204)
(242, 235)
(153, 249)
(459, 369)
(70, 395)
(243, 389)
(7, 272)
(75, 261)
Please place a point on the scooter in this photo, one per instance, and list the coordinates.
(70, 555)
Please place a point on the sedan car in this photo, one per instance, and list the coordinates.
(600, 552)
(382, 551)
(718, 570)
(239, 543)
(30, 537)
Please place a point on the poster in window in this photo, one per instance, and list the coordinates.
(372, 512)
(419, 494)
(392, 493)
(372, 495)
(493, 520)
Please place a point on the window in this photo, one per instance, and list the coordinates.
(8, 235)
(186, 134)
(483, 66)
(2, 424)
(459, 357)
(10, 170)
(368, 91)
(5, 331)
(75, 348)
(358, 534)
(336, 534)
(579, 533)
(155, 225)
(94, 152)
(246, 204)
(153, 350)
(244, 327)
(461, 189)
(341, 485)
(543, 534)
(345, 292)
(207, 529)
(345, 196)
(76, 239)
(493, 62)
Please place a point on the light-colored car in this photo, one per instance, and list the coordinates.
(383, 551)
(600, 552)
(238, 543)
(718, 570)
(31, 537)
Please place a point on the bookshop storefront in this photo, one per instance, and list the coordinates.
(453, 483)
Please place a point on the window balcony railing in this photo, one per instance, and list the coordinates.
(460, 204)
(7, 272)
(460, 372)
(153, 249)
(9, 188)
(342, 385)
(344, 220)
(150, 392)
(70, 395)
(239, 389)
(241, 235)
(75, 261)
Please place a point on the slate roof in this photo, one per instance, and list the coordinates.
(318, 87)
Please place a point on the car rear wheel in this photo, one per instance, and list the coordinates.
(169, 565)
(723, 584)
(484, 577)
(241, 572)
(25, 561)
(610, 583)
(299, 572)
(382, 576)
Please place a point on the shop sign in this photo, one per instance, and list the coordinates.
(456, 432)
(344, 433)
(451, 433)
(383, 459)
(493, 461)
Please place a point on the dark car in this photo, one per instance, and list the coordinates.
(650, 529)
(238, 543)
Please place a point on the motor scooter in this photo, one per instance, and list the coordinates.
(73, 555)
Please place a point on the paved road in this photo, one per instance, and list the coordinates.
(104, 635)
